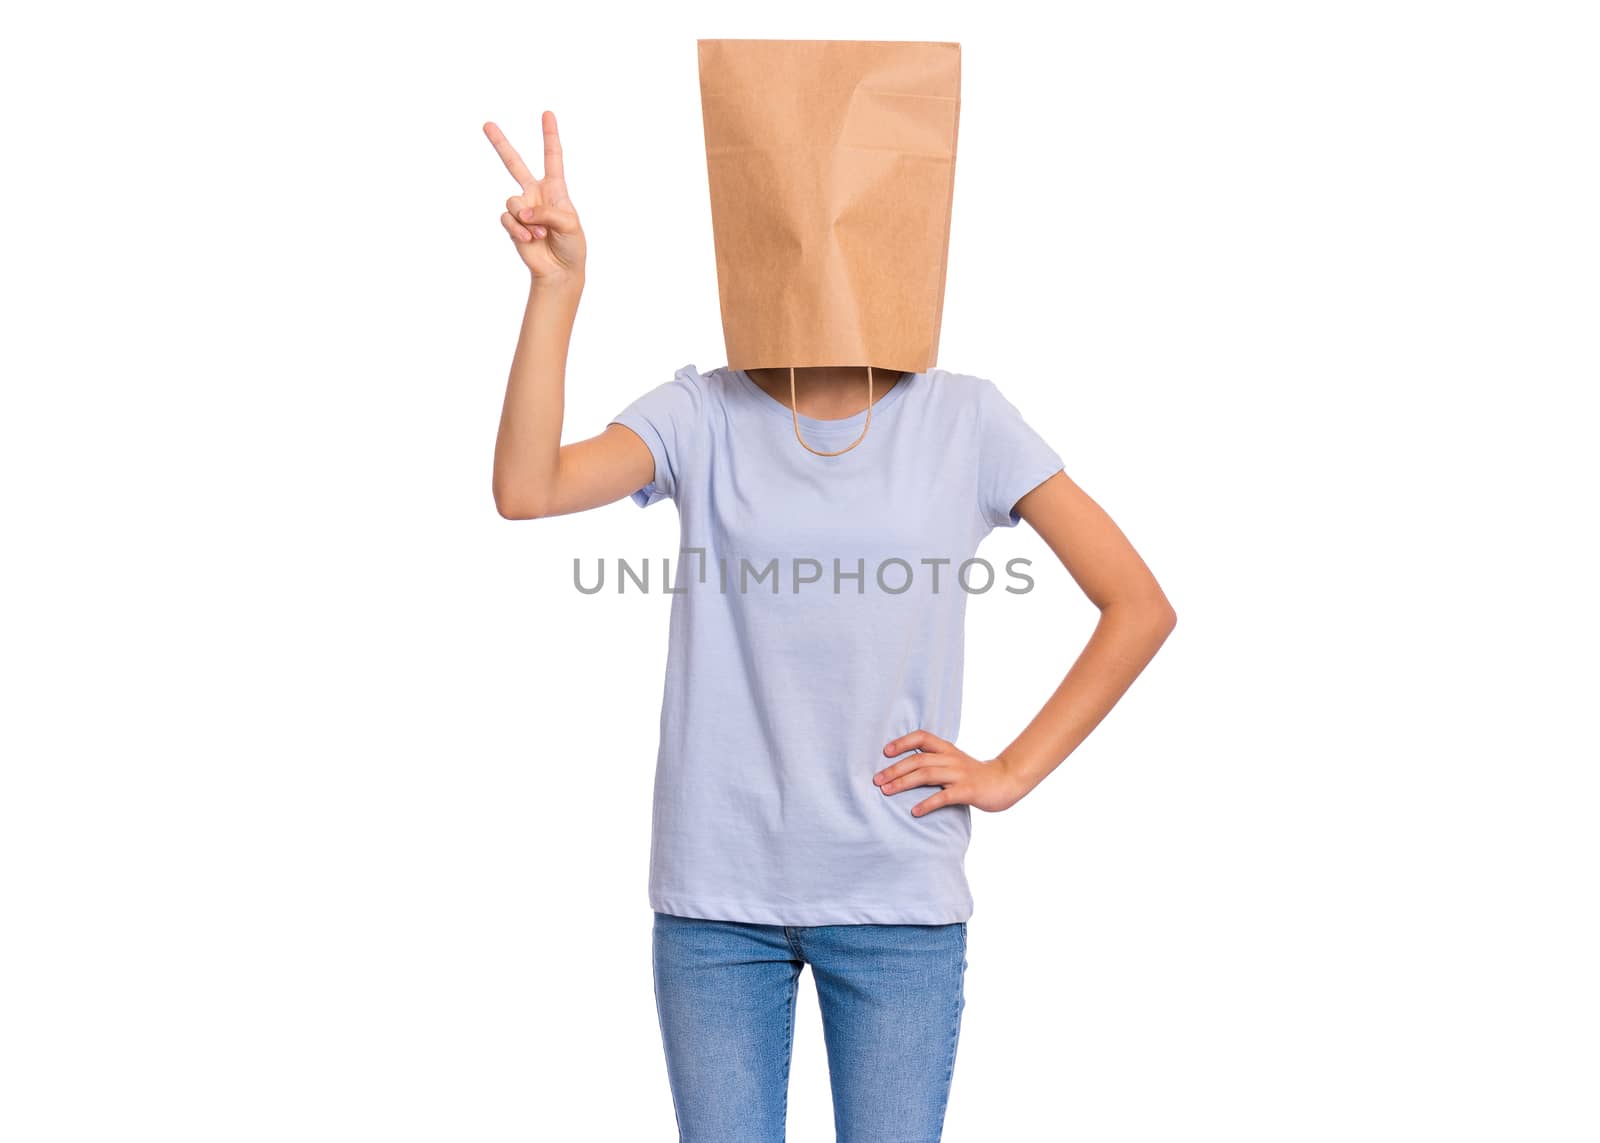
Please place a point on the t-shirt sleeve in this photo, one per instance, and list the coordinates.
(667, 419)
(1013, 458)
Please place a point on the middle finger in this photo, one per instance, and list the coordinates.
(922, 776)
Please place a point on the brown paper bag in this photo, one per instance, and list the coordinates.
(832, 171)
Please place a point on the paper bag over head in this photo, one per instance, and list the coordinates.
(832, 174)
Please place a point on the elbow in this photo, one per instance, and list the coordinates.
(1151, 616)
(518, 504)
(514, 511)
(1161, 617)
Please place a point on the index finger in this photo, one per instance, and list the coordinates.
(508, 154)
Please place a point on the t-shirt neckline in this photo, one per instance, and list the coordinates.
(778, 408)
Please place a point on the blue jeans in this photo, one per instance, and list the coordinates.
(891, 999)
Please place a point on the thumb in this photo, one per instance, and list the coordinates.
(561, 219)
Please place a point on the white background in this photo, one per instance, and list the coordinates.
(326, 797)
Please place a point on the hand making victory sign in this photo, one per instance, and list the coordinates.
(540, 218)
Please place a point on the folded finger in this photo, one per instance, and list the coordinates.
(515, 228)
(521, 207)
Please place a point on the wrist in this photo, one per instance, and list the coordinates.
(1016, 776)
(568, 283)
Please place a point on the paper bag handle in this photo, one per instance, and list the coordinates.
(794, 409)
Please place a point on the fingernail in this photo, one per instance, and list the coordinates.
(527, 216)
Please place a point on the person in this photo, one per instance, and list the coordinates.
(811, 804)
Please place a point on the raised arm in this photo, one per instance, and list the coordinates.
(534, 474)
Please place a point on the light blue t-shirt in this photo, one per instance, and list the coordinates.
(825, 617)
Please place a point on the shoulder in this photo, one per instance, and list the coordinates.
(692, 381)
(978, 402)
(712, 384)
(964, 394)
(684, 398)
(705, 389)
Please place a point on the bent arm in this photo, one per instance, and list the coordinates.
(1135, 620)
(534, 473)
